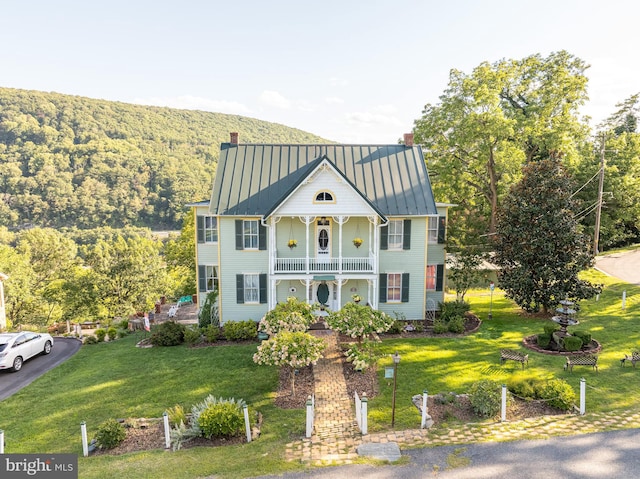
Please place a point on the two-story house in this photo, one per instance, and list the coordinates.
(324, 223)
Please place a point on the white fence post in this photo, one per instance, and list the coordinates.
(624, 299)
(425, 409)
(364, 411)
(1, 441)
(583, 391)
(504, 403)
(85, 444)
(310, 406)
(167, 435)
(247, 424)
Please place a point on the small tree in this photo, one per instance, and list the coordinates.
(292, 349)
(539, 246)
(209, 312)
(359, 321)
(292, 315)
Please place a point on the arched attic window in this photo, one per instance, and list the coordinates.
(324, 197)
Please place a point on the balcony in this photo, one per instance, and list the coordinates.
(329, 265)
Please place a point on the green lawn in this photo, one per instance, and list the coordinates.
(117, 380)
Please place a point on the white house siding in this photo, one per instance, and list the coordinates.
(410, 261)
(234, 262)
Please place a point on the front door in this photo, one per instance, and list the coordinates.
(323, 293)
(323, 240)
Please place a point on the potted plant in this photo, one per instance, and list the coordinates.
(357, 242)
(356, 298)
(292, 243)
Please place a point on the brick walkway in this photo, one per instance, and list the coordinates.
(336, 435)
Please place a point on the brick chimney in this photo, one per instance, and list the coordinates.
(234, 137)
(408, 139)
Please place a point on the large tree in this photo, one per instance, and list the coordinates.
(128, 274)
(489, 123)
(539, 246)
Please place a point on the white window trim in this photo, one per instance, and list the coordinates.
(399, 247)
(399, 300)
(436, 220)
(435, 277)
(215, 278)
(257, 235)
(244, 290)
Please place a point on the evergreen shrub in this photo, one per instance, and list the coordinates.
(240, 330)
(543, 340)
(572, 343)
(110, 434)
(485, 397)
(168, 333)
(558, 393)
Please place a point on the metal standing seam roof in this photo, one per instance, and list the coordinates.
(252, 179)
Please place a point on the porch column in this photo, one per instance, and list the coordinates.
(272, 296)
(307, 220)
(308, 293)
(339, 284)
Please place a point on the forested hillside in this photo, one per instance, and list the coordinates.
(68, 161)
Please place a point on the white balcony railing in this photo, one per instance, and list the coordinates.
(332, 265)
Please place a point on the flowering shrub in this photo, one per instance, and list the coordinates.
(362, 355)
(359, 321)
(293, 349)
(293, 315)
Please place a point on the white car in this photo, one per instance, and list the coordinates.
(16, 348)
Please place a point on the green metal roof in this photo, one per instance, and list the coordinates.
(252, 179)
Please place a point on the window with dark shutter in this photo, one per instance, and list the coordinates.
(442, 229)
(406, 239)
(384, 237)
(383, 288)
(239, 238)
(202, 278)
(200, 225)
(405, 287)
(263, 288)
(439, 277)
(262, 237)
(240, 288)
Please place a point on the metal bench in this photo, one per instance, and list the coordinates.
(508, 354)
(634, 358)
(581, 360)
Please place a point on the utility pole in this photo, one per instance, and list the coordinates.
(596, 233)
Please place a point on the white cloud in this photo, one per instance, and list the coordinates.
(381, 115)
(334, 100)
(275, 99)
(307, 106)
(189, 102)
(335, 81)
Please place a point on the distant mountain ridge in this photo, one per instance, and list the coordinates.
(70, 161)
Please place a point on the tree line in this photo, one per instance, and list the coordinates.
(69, 161)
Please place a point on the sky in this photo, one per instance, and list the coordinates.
(350, 71)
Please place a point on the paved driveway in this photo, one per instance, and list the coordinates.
(625, 266)
(63, 349)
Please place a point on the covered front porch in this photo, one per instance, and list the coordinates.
(330, 291)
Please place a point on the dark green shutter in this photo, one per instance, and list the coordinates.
(439, 277)
(384, 237)
(239, 239)
(383, 288)
(240, 288)
(263, 288)
(406, 235)
(405, 288)
(442, 228)
(200, 221)
(202, 278)
(262, 237)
